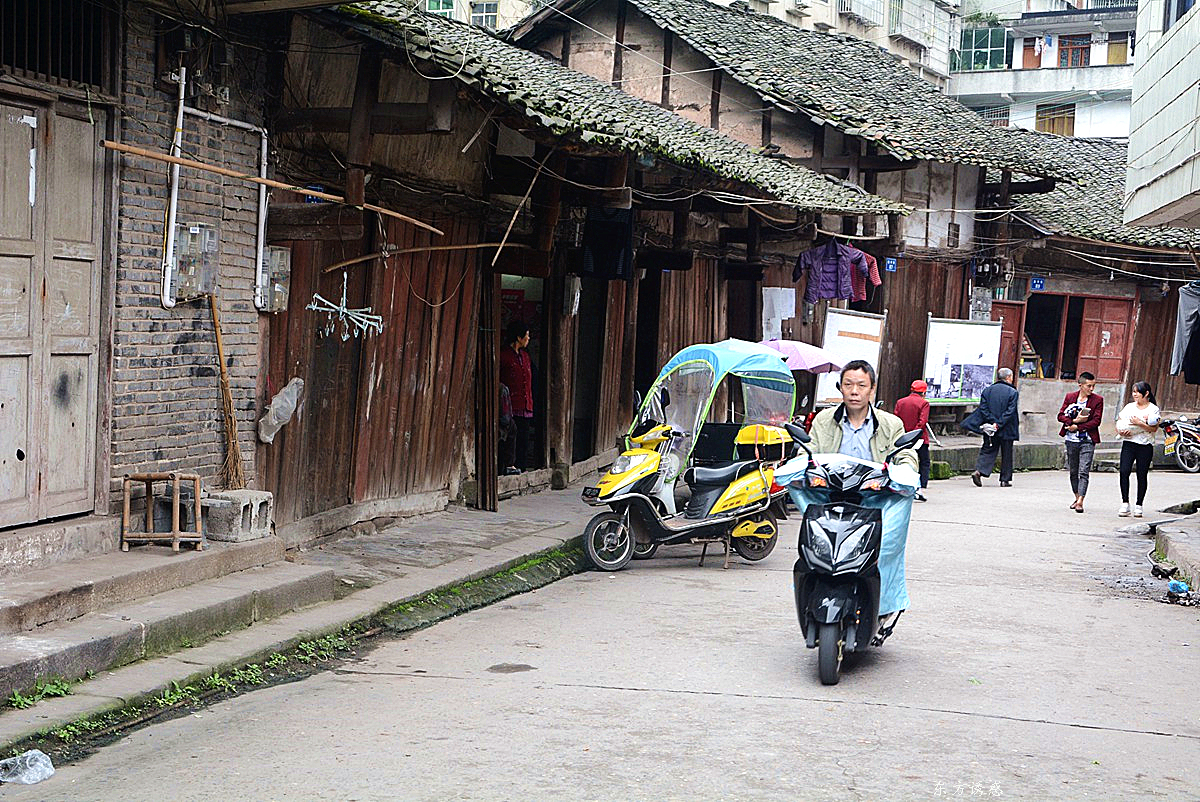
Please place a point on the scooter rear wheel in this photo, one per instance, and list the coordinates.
(829, 653)
(754, 549)
(608, 542)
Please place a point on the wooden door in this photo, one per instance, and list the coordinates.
(1031, 59)
(1103, 336)
(51, 208)
(1012, 313)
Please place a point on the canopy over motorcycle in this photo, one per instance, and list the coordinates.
(682, 395)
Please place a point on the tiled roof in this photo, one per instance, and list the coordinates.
(1089, 205)
(577, 106)
(853, 85)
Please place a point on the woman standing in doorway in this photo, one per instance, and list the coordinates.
(1136, 426)
(517, 373)
(1080, 415)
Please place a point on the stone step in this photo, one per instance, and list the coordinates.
(29, 548)
(159, 624)
(72, 589)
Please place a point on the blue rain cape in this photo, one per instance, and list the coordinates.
(897, 512)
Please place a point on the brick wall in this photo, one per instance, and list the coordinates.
(166, 400)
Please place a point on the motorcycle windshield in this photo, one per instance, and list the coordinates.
(688, 388)
(767, 398)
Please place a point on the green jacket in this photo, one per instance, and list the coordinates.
(826, 433)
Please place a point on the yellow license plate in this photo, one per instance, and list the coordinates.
(1169, 444)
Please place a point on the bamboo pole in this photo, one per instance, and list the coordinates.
(397, 251)
(210, 168)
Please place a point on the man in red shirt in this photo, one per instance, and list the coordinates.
(913, 409)
(516, 372)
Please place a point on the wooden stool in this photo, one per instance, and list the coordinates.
(150, 536)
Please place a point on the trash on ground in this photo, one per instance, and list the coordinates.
(27, 768)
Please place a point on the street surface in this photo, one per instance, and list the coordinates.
(1034, 664)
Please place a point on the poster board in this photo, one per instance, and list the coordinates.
(849, 335)
(779, 304)
(960, 359)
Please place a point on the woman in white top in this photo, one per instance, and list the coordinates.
(1136, 426)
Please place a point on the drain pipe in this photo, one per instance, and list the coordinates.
(168, 259)
(260, 295)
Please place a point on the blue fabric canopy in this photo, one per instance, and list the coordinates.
(739, 357)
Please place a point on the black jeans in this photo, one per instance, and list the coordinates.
(524, 429)
(1139, 454)
(987, 457)
(923, 461)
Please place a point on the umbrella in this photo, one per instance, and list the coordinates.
(803, 356)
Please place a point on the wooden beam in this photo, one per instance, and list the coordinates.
(619, 46)
(366, 96)
(1022, 187)
(885, 164)
(394, 119)
(668, 47)
(234, 7)
(313, 221)
(615, 198)
(714, 102)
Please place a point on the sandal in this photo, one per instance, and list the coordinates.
(1074, 505)
(1079, 508)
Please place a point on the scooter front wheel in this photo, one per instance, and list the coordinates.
(829, 653)
(1188, 457)
(644, 551)
(608, 542)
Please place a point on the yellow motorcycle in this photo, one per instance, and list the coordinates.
(733, 499)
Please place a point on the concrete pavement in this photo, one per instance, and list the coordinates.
(1036, 663)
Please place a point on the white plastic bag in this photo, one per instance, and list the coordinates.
(280, 410)
(26, 769)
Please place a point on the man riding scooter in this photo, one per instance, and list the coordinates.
(856, 429)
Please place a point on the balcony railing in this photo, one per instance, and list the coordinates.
(868, 12)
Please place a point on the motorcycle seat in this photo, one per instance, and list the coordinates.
(720, 476)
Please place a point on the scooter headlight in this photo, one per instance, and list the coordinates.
(818, 542)
(854, 544)
(626, 463)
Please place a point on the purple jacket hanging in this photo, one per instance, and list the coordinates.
(829, 268)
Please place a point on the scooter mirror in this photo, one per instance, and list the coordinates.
(797, 432)
(664, 397)
(906, 440)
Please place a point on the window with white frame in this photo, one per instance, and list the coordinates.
(484, 15)
(443, 8)
(984, 49)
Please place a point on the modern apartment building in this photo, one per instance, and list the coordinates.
(1055, 66)
(1164, 140)
(491, 14)
(921, 32)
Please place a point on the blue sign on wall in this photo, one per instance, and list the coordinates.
(1037, 284)
(889, 264)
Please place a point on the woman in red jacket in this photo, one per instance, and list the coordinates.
(1080, 415)
(516, 372)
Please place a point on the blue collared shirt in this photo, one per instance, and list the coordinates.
(857, 442)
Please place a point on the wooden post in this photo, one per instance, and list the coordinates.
(358, 149)
(487, 393)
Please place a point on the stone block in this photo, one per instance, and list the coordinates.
(239, 515)
(940, 470)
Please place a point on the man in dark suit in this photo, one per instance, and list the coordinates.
(996, 419)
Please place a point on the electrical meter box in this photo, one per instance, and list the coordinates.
(195, 261)
(278, 275)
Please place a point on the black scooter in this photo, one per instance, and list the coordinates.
(836, 579)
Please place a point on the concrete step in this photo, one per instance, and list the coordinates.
(72, 589)
(159, 624)
(29, 548)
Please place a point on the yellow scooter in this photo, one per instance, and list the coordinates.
(736, 505)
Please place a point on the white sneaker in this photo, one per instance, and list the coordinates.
(1137, 511)
(1124, 511)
